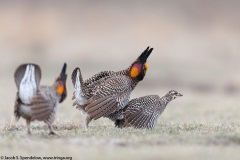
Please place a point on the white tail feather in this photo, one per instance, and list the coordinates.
(78, 90)
(28, 86)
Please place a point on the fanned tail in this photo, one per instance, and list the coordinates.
(28, 69)
(77, 77)
(78, 93)
(27, 78)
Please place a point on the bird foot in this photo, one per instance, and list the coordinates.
(52, 133)
(85, 128)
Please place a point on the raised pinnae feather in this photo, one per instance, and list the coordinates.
(145, 54)
(63, 74)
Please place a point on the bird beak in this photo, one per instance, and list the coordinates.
(63, 74)
(144, 56)
(179, 95)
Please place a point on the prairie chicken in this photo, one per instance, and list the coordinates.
(108, 91)
(36, 102)
(144, 112)
(83, 90)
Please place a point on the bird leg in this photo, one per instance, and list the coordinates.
(28, 121)
(88, 120)
(51, 130)
(119, 123)
(82, 107)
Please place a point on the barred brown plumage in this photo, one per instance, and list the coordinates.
(108, 91)
(84, 89)
(143, 112)
(35, 102)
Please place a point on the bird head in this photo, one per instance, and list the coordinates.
(172, 95)
(139, 67)
(60, 83)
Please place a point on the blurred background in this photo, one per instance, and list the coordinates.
(196, 50)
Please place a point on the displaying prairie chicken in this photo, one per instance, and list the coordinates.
(36, 102)
(83, 90)
(144, 112)
(108, 91)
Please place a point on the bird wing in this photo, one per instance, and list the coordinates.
(25, 69)
(85, 89)
(41, 108)
(110, 96)
(141, 113)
